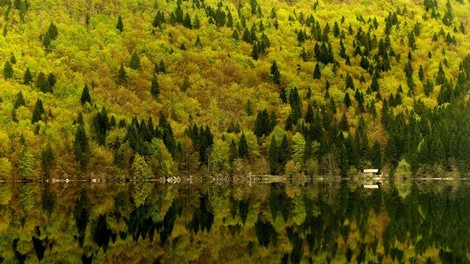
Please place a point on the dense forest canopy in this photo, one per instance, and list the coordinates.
(144, 88)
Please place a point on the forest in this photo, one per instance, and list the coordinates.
(142, 89)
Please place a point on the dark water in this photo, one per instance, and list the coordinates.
(337, 222)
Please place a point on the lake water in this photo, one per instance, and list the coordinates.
(337, 222)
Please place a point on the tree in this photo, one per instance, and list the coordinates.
(85, 95)
(135, 61)
(317, 72)
(26, 164)
(51, 80)
(243, 151)
(38, 111)
(81, 146)
(19, 100)
(122, 75)
(154, 88)
(46, 41)
(42, 83)
(411, 40)
(120, 25)
(28, 77)
(12, 58)
(8, 70)
(162, 67)
(140, 169)
(275, 74)
(47, 159)
(52, 31)
(349, 82)
(273, 156)
(298, 147)
(100, 126)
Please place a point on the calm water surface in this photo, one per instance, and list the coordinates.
(337, 222)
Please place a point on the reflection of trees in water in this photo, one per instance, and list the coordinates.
(339, 222)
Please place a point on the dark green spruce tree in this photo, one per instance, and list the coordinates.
(243, 151)
(81, 146)
(28, 77)
(38, 111)
(154, 88)
(120, 25)
(274, 157)
(8, 70)
(86, 97)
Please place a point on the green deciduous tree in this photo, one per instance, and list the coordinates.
(26, 164)
(140, 169)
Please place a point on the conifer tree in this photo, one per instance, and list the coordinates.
(154, 88)
(162, 67)
(233, 152)
(28, 77)
(317, 72)
(135, 61)
(349, 82)
(276, 75)
(81, 146)
(47, 159)
(85, 95)
(273, 156)
(120, 25)
(51, 80)
(38, 111)
(122, 75)
(243, 151)
(8, 70)
(12, 58)
(42, 83)
(19, 100)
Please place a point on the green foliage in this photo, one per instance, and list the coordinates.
(243, 151)
(154, 87)
(28, 77)
(19, 100)
(140, 169)
(275, 73)
(122, 75)
(120, 24)
(43, 84)
(135, 61)
(85, 97)
(37, 112)
(8, 70)
(214, 65)
(26, 164)
(47, 159)
(81, 146)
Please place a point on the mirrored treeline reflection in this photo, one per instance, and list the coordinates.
(325, 222)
